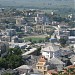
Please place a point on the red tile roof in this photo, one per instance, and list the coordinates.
(52, 72)
(42, 59)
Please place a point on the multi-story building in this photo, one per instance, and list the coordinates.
(20, 21)
(62, 32)
(42, 65)
(41, 18)
(42, 28)
(49, 50)
(10, 32)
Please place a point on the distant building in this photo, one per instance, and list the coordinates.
(5, 38)
(20, 21)
(72, 31)
(10, 32)
(62, 32)
(41, 18)
(42, 28)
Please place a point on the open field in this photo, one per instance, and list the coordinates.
(35, 38)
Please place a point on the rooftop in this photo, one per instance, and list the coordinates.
(24, 67)
(55, 60)
(51, 47)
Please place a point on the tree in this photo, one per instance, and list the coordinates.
(14, 61)
(7, 74)
(62, 41)
(39, 51)
(30, 39)
(16, 51)
(14, 58)
(47, 38)
(3, 63)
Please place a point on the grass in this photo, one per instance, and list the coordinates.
(37, 39)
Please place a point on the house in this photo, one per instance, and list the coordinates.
(20, 20)
(28, 70)
(62, 31)
(55, 63)
(24, 69)
(12, 72)
(66, 51)
(50, 49)
(41, 18)
(10, 32)
(42, 65)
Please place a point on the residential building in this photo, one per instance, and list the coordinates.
(62, 32)
(41, 18)
(27, 70)
(20, 20)
(55, 63)
(24, 69)
(49, 50)
(42, 65)
(10, 32)
(72, 31)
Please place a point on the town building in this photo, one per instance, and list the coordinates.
(20, 20)
(62, 32)
(42, 65)
(41, 18)
(10, 32)
(55, 63)
(49, 50)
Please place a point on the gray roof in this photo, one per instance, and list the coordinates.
(72, 59)
(55, 61)
(24, 67)
(51, 47)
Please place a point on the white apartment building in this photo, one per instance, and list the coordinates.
(51, 49)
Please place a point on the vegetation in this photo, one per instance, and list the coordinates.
(7, 74)
(13, 59)
(62, 41)
(38, 51)
(66, 71)
(35, 39)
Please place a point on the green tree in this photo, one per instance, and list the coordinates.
(3, 63)
(16, 51)
(39, 51)
(62, 41)
(47, 38)
(7, 74)
(14, 61)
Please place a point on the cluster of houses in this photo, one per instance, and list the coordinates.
(53, 57)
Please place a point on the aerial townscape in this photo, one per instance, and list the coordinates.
(37, 40)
